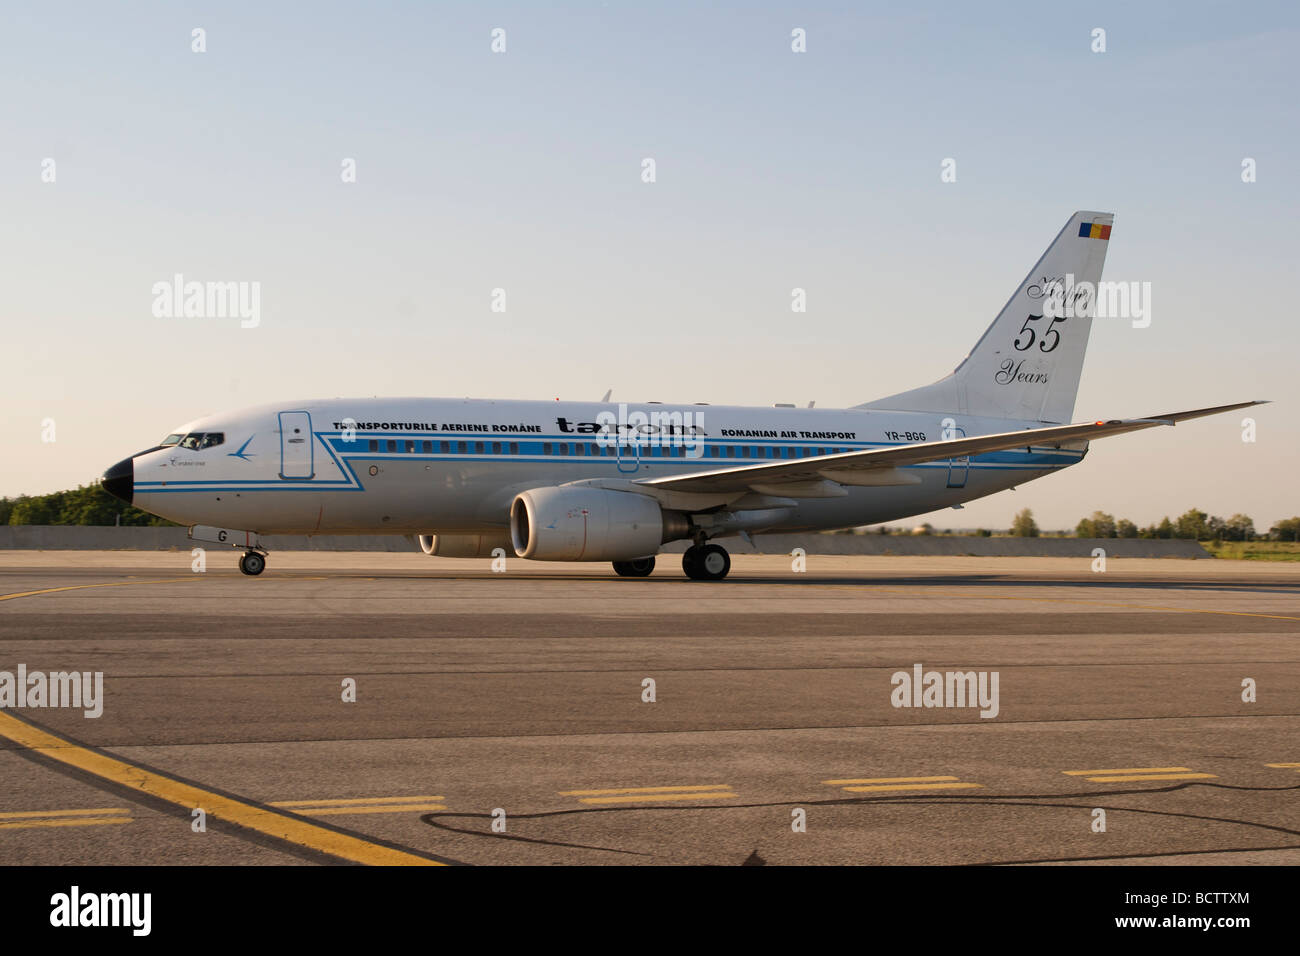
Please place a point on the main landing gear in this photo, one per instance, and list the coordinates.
(638, 568)
(706, 562)
(252, 562)
(701, 562)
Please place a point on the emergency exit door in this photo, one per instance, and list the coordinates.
(297, 454)
(958, 468)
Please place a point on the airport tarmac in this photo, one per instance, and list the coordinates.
(500, 718)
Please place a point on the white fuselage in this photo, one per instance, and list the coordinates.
(452, 466)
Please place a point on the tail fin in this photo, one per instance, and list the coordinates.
(1027, 364)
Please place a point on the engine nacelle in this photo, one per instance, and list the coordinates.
(464, 545)
(588, 524)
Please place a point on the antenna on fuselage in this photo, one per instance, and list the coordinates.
(608, 393)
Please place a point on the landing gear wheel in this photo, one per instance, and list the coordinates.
(708, 562)
(252, 563)
(638, 568)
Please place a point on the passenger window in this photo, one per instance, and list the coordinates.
(392, 445)
(410, 448)
(514, 448)
(374, 444)
(444, 447)
(546, 448)
(428, 448)
(478, 448)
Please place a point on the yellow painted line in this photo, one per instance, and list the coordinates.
(98, 811)
(352, 801)
(915, 786)
(279, 825)
(599, 793)
(87, 822)
(402, 808)
(836, 783)
(655, 798)
(82, 587)
(1085, 773)
(1152, 776)
(1282, 766)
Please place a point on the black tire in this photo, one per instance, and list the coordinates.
(252, 563)
(691, 561)
(637, 568)
(713, 563)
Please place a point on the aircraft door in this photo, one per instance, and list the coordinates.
(958, 468)
(297, 452)
(629, 457)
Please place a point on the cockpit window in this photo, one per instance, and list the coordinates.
(196, 441)
(170, 440)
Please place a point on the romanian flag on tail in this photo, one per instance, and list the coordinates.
(1093, 230)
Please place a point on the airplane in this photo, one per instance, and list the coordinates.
(573, 481)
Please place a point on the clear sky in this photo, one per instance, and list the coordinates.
(521, 170)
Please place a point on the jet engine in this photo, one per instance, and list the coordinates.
(590, 524)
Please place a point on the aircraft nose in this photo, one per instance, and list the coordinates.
(119, 481)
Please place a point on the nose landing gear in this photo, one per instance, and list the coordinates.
(254, 560)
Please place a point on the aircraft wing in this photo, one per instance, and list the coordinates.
(819, 476)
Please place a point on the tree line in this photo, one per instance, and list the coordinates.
(1193, 524)
(86, 505)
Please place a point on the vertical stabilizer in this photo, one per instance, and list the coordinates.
(1027, 364)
